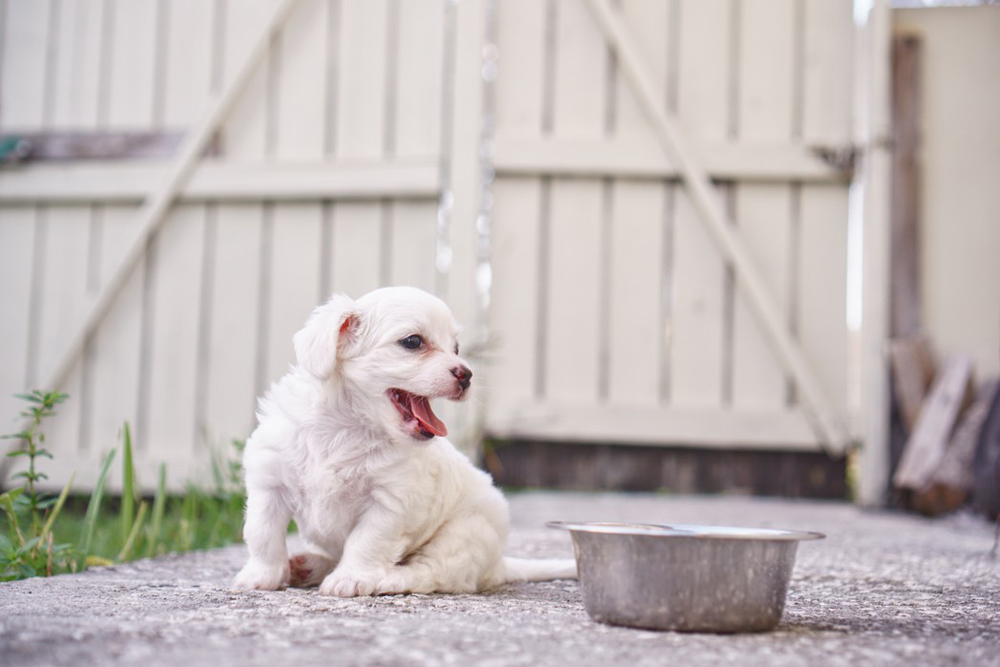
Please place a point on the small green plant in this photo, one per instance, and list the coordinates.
(31, 550)
(90, 531)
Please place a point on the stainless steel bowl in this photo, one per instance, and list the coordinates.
(684, 577)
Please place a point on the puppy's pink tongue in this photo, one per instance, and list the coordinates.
(421, 408)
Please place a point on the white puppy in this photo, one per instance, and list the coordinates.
(348, 445)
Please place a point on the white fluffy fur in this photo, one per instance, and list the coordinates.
(383, 509)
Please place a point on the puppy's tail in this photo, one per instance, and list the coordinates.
(529, 569)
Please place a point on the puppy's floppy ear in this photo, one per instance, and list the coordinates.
(329, 327)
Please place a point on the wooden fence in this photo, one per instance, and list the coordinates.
(355, 157)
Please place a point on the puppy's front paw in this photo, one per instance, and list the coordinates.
(262, 577)
(349, 584)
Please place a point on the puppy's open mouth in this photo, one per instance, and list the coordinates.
(417, 414)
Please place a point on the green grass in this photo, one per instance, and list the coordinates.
(42, 534)
(192, 521)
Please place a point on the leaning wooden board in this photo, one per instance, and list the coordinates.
(930, 437)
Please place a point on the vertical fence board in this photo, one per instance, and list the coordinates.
(17, 246)
(637, 226)
(357, 248)
(826, 119)
(763, 217)
(77, 69)
(827, 76)
(635, 336)
(175, 298)
(513, 313)
(417, 133)
(114, 353)
(573, 312)
(133, 64)
(418, 82)
(648, 22)
(63, 301)
(295, 268)
(765, 108)
(301, 121)
(360, 126)
(518, 90)
(245, 130)
(361, 94)
(22, 81)
(822, 292)
(232, 337)
(302, 94)
(414, 244)
(189, 62)
(573, 317)
(516, 233)
(697, 325)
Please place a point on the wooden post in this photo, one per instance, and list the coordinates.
(905, 211)
(872, 135)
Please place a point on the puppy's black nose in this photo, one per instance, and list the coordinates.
(463, 375)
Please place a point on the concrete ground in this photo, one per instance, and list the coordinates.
(886, 589)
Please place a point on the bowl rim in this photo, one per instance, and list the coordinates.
(687, 530)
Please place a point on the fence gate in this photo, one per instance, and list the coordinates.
(615, 315)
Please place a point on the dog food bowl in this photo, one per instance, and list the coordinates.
(684, 577)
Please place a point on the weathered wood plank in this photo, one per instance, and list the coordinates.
(949, 395)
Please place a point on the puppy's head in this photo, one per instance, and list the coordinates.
(391, 351)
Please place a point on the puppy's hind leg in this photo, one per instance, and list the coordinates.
(308, 569)
(464, 556)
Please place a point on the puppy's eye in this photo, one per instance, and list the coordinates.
(412, 342)
(456, 348)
